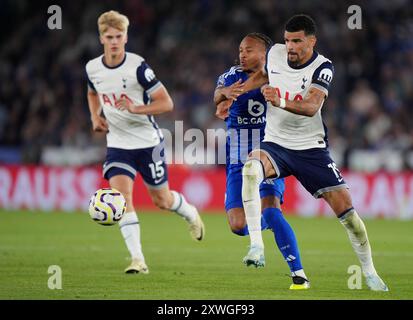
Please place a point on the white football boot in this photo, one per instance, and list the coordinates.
(255, 257)
(375, 283)
(197, 228)
(137, 266)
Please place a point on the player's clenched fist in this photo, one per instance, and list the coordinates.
(99, 124)
(270, 95)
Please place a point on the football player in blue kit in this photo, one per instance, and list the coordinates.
(245, 117)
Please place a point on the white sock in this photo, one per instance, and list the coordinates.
(131, 232)
(357, 233)
(299, 273)
(252, 176)
(182, 208)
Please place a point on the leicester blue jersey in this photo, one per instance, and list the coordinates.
(246, 120)
(250, 108)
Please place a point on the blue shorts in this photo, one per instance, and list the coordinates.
(149, 162)
(233, 194)
(314, 167)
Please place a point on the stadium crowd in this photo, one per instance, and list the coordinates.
(189, 44)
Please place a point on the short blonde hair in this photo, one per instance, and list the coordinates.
(112, 19)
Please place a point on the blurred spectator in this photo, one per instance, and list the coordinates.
(362, 99)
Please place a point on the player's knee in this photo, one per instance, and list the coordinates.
(339, 200)
(236, 221)
(161, 202)
(237, 225)
(240, 232)
(252, 176)
(252, 169)
(252, 172)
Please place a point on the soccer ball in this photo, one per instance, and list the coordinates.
(107, 206)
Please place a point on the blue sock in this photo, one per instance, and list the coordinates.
(284, 237)
(244, 231)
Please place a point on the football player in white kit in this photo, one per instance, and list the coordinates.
(124, 86)
(295, 141)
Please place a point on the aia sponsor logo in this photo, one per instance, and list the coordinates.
(109, 100)
(297, 97)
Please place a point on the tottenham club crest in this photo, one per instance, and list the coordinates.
(304, 81)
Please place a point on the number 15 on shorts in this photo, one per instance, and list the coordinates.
(157, 170)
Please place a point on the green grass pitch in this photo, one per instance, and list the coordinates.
(92, 259)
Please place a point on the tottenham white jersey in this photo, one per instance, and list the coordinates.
(132, 79)
(287, 129)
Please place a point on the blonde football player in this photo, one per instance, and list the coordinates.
(125, 88)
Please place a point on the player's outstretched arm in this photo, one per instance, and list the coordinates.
(161, 102)
(98, 122)
(309, 106)
(257, 80)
